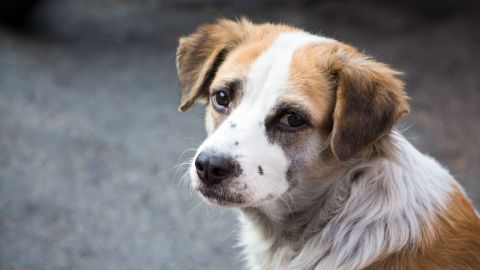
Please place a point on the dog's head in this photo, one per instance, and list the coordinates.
(279, 101)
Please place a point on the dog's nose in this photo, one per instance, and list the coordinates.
(214, 169)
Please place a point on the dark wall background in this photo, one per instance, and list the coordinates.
(90, 136)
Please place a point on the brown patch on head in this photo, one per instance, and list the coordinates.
(259, 39)
(201, 55)
(356, 98)
(453, 242)
(311, 83)
(239, 61)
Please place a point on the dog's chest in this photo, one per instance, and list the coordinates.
(262, 253)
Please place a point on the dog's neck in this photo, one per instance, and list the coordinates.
(312, 203)
(364, 204)
(307, 208)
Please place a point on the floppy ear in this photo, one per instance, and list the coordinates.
(200, 55)
(369, 101)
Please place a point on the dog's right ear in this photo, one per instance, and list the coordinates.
(200, 54)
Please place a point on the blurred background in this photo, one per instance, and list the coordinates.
(90, 136)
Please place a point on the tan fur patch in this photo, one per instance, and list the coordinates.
(203, 53)
(368, 101)
(260, 37)
(453, 244)
(349, 96)
(313, 84)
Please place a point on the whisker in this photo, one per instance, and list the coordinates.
(199, 205)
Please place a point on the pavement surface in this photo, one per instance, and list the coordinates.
(90, 139)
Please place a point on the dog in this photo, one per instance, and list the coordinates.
(301, 139)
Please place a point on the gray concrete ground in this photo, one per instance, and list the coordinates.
(90, 136)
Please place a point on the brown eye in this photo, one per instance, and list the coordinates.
(292, 121)
(220, 100)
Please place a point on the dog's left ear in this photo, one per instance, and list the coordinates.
(200, 54)
(369, 101)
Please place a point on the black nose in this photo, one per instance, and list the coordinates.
(213, 169)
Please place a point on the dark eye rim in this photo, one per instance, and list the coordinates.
(286, 128)
(217, 106)
(230, 87)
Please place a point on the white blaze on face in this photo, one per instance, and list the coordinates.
(242, 135)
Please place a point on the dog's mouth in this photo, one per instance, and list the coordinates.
(222, 196)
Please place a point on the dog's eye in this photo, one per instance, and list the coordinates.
(220, 100)
(292, 121)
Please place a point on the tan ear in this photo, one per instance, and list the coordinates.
(200, 55)
(369, 101)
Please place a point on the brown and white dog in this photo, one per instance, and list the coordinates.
(301, 140)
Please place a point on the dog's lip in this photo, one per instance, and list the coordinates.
(207, 192)
(214, 195)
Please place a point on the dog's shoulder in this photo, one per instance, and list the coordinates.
(454, 242)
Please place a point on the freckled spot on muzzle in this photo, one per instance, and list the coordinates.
(260, 170)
